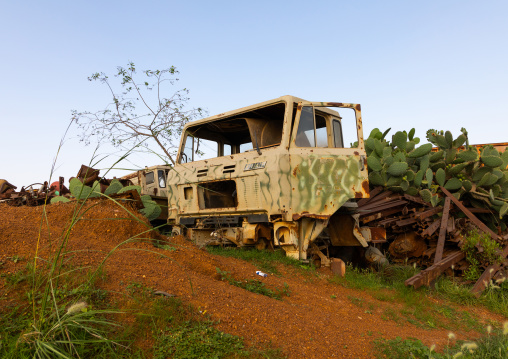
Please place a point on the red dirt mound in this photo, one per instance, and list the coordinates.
(318, 319)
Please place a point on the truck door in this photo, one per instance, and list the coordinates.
(149, 186)
(325, 173)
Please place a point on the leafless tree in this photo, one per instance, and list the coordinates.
(139, 112)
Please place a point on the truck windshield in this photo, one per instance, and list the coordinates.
(260, 128)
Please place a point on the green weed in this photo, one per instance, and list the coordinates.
(266, 260)
(492, 345)
(196, 340)
(183, 331)
(255, 286)
(489, 254)
(495, 296)
(402, 349)
(388, 285)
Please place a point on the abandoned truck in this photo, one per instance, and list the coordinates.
(274, 174)
(152, 181)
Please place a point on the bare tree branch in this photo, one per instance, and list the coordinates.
(127, 122)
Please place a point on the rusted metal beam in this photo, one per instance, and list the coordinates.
(405, 222)
(442, 232)
(87, 174)
(489, 273)
(373, 195)
(5, 185)
(428, 213)
(379, 215)
(416, 200)
(378, 198)
(479, 210)
(427, 276)
(382, 206)
(432, 228)
(471, 216)
(131, 195)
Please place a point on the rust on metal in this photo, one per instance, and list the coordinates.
(297, 216)
(365, 186)
(373, 194)
(87, 175)
(489, 273)
(416, 199)
(405, 222)
(471, 216)
(428, 213)
(6, 189)
(335, 104)
(479, 210)
(432, 228)
(407, 245)
(378, 234)
(382, 214)
(427, 276)
(442, 232)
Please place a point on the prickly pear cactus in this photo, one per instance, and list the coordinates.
(151, 209)
(59, 199)
(113, 187)
(80, 191)
(477, 176)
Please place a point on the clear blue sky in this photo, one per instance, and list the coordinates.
(428, 64)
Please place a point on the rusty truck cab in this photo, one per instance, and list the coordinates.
(276, 173)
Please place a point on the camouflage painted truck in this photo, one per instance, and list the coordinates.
(274, 174)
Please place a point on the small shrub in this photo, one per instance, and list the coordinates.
(402, 349)
(489, 255)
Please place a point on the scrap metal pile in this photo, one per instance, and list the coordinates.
(86, 185)
(33, 195)
(430, 198)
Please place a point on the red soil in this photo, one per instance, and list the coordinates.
(310, 323)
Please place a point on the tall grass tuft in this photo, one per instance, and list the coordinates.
(62, 321)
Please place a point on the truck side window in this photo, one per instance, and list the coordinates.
(196, 149)
(305, 135)
(311, 133)
(244, 147)
(205, 149)
(321, 133)
(337, 134)
(227, 150)
(149, 177)
(187, 155)
(162, 178)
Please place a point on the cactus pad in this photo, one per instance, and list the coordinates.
(440, 176)
(397, 168)
(420, 151)
(374, 164)
(492, 161)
